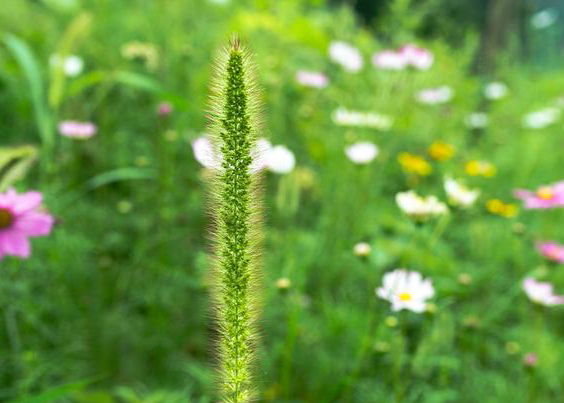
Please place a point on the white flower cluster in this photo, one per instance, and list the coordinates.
(277, 159)
(420, 207)
(345, 117)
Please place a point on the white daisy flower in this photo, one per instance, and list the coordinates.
(495, 90)
(205, 154)
(344, 117)
(541, 293)
(280, 160)
(420, 207)
(433, 96)
(72, 65)
(362, 152)
(477, 120)
(459, 194)
(541, 118)
(406, 290)
(346, 55)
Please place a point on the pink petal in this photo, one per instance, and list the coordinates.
(14, 243)
(558, 300)
(9, 198)
(522, 194)
(27, 201)
(34, 223)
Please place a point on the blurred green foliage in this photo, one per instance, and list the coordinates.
(114, 304)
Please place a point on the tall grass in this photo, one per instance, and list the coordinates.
(237, 213)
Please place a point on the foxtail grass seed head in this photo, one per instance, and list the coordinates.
(236, 211)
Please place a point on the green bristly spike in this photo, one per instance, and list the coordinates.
(236, 211)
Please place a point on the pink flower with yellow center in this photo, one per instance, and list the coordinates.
(547, 196)
(552, 251)
(20, 219)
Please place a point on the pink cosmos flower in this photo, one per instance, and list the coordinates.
(407, 55)
(530, 360)
(419, 58)
(164, 109)
(547, 196)
(541, 293)
(21, 218)
(552, 251)
(312, 79)
(77, 130)
(389, 60)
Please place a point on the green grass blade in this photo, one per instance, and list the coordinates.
(137, 81)
(14, 164)
(77, 29)
(117, 175)
(26, 60)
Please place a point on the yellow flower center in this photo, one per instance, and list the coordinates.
(6, 218)
(405, 296)
(545, 193)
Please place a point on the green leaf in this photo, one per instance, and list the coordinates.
(86, 81)
(136, 80)
(128, 78)
(121, 174)
(26, 60)
(77, 29)
(14, 164)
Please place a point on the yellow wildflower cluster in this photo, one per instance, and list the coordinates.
(480, 168)
(441, 151)
(412, 163)
(496, 206)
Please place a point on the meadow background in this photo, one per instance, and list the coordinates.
(113, 307)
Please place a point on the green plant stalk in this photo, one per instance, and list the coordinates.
(237, 215)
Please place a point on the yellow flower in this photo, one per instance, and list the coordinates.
(510, 211)
(496, 206)
(441, 151)
(480, 168)
(411, 163)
